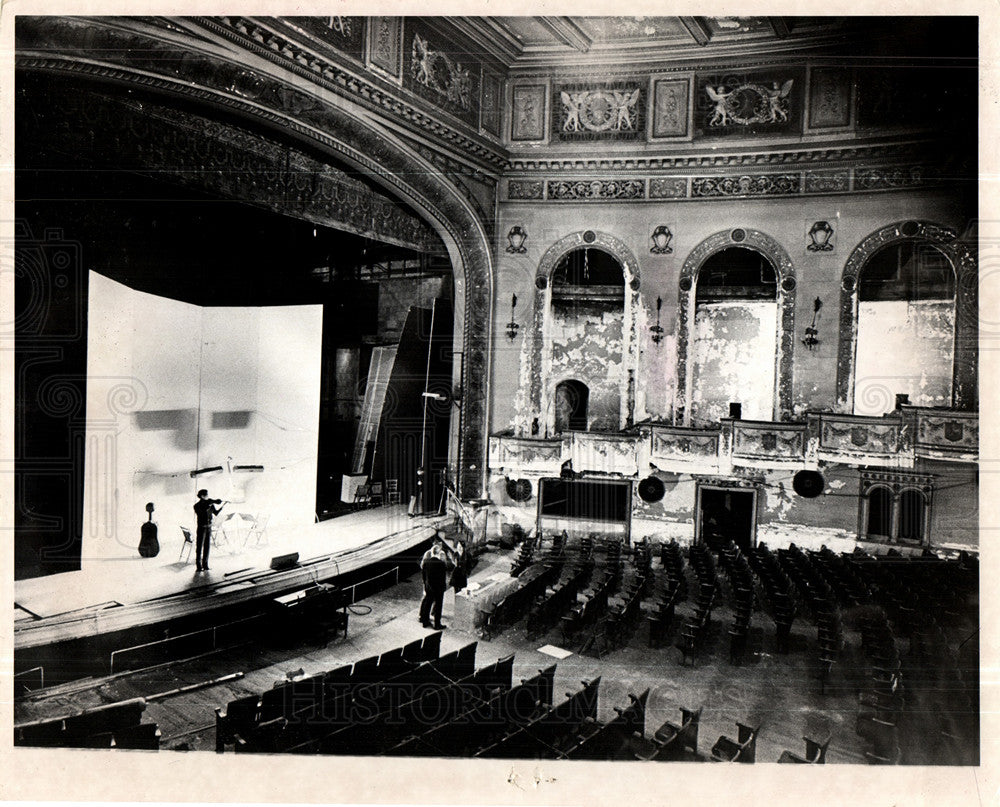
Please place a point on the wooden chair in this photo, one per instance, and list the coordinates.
(361, 496)
(187, 546)
(392, 491)
(375, 497)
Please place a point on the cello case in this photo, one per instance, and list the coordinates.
(149, 544)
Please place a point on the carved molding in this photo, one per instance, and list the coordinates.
(964, 261)
(687, 289)
(914, 151)
(261, 40)
(868, 179)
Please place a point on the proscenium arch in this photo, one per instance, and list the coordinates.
(540, 394)
(964, 262)
(687, 286)
(218, 77)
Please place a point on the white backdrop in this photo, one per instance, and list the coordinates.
(174, 387)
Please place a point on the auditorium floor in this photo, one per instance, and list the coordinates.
(781, 693)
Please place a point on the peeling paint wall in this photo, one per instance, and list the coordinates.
(586, 344)
(734, 355)
(903, 347)
(818, 274)
(955, 504)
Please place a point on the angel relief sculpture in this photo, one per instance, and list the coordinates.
(777, 105)
(571, 109)
(748, 103)
(599, 110)
(720, 115)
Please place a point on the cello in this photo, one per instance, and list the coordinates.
(149, 544)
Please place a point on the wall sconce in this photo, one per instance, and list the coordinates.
(812, 333)
(512, 327)
(657, 330)
(819, 235)
(515, 240)
(661, 238)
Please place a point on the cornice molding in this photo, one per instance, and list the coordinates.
(841, 153)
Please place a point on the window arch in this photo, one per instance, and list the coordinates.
(915, 261)
(537, 392)
(895, 507)
(754, 246)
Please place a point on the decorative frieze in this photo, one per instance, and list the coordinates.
(674, 443)
(525, 454)
(527, 116)
(747, 185)
(525, 189)
(893, 177)
(853, 435)
(668, 188)
(596, 452)
(942, 432)
(769, 441)
(837, 181)
(596, 189)
(724, 186)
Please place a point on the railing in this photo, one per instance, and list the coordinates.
(892, 441)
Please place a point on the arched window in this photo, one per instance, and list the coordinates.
(895, 506)
(910, 291)
(586, 339)
(906, 310)
(879, 514)
(571, 405)
(736, 324)
(912, 504)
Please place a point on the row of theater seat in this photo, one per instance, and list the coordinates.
(115, 725)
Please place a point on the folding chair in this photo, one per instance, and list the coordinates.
(258, 531)
(360, 496)
(375, 494)
(188, 545)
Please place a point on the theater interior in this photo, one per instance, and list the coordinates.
(668, 326)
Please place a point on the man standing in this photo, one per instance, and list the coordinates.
(435, 564)
(204, 509)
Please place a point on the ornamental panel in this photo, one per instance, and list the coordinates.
(582, 112)
(596, 189)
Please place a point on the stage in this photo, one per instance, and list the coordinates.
(112, 595)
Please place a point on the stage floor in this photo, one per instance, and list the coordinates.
(101, 587)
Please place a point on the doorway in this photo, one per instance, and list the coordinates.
(727, 513)
(571, 406)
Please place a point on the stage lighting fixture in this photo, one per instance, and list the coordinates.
(215, 469)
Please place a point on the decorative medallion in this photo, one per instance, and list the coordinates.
(595, 113)
(755, 102)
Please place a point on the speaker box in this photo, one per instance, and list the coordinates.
(519, 489)
(282, 562)
(652, 489)
(808, 484)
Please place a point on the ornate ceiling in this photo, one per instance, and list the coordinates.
(553, 41)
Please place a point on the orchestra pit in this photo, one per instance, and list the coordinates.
(647, 345)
